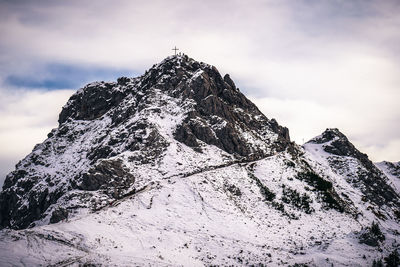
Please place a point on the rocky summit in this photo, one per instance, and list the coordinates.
(178, 167)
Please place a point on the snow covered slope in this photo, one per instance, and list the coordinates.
(177, 167)
(392, 171)
(260, 212)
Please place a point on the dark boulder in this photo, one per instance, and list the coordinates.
(58, 215)
(107, 174)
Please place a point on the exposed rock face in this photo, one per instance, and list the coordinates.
(107, 174)
(223, 114)
(133, 120)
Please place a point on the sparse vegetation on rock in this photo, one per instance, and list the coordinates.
(371, 235)
(300, 201)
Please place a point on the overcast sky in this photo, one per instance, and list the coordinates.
(310, 64)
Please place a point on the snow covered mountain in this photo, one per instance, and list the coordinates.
(178, 167)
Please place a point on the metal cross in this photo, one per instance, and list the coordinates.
(175, 49)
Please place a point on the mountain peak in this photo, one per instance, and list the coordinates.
(329, 135)
(335, 142)
(184, 62)
(176, 64)
(180, 59)
(109, 130)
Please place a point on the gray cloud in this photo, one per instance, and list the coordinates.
(310, 64)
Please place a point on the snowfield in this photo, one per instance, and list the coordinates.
(195, 221)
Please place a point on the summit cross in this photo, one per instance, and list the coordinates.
(175, 49)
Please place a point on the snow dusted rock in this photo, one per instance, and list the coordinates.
(108, 131)
(177, 167)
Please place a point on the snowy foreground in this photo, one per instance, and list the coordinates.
(193, 221)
